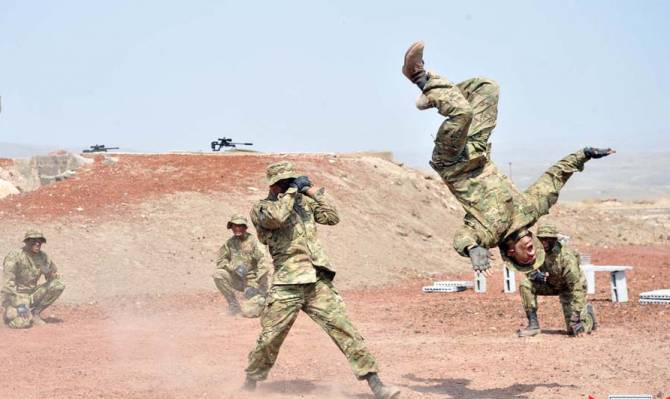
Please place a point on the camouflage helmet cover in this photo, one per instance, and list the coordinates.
(279, 171)
(34, 234)
(237, 219)
(547, 231)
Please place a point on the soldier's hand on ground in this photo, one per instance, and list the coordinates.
(23, 311)
(241, 271)
(538, 277)
(250, 292)
(481, 260)
(302, 183)
(596, 153)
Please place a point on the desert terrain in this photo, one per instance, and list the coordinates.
(135, 237)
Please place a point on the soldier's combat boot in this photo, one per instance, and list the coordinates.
(233, 305)
(37, 318)
(592, 313)
(249, 385)
(533, 325)
(413, 66)
(380, 390)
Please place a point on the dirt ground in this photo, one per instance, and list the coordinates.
(431, 345)
(135, 238)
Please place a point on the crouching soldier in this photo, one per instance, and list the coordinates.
(241, 267)
(22, 297)
(559, 275)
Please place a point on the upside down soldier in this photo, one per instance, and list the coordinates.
(497, 213)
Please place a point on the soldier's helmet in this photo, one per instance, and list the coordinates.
(547, 231)
(237, 219)
(34, 234)
(279, 171)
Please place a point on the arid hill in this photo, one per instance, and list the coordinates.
(152, 223)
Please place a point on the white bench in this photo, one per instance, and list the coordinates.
(617, 280)
(509, 281)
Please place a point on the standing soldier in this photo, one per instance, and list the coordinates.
(241, 267)
(303, 279)
(559, 275)
(496, 211)
(23, 299)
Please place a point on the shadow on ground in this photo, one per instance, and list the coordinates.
(458, 388)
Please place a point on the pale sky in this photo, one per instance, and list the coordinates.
(325, 76)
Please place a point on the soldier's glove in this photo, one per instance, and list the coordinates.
(302, 183)
(250, 292)
(596, 153)
(479, 257)
(23, 311)
(241, 271)
(576, 324)
(537, 277)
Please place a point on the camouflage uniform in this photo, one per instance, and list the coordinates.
(565, 279)
(247, 252)
(303, 277)
(495, 208)
(22, 271)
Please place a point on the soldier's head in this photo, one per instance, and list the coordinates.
(279, 176)
(33, 240)
(520, 248)
(548, 236)
(238, 225)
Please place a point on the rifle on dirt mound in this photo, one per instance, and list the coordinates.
(99, 148)
(225, 142)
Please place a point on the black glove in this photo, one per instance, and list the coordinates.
(23, 311)
(537, 277)
(302, 183)
(596, 153)
(241, 271)
(479, 257)
(250, 292)
(576, 324)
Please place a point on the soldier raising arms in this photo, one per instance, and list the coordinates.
(303, 279)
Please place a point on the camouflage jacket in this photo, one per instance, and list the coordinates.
(246, 251)
(287, 225)
(562, 264)
(22, 271)
(494, 207)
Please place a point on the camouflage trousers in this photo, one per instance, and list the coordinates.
(325, 306)
(39, 299)
(228, 283)
(571, 301)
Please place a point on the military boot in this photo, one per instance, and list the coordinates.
(37, 318)
(249, 385)
(233, 305)
(592, 313)
(380, 390)
(413, 66)
(533, 325)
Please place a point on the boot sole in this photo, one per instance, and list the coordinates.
(410, 51)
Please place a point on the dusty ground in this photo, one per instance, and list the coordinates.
(432, 345)
(135, 241)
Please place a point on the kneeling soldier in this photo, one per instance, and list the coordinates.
(559, 275)
(241, 267)
(23, 299)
